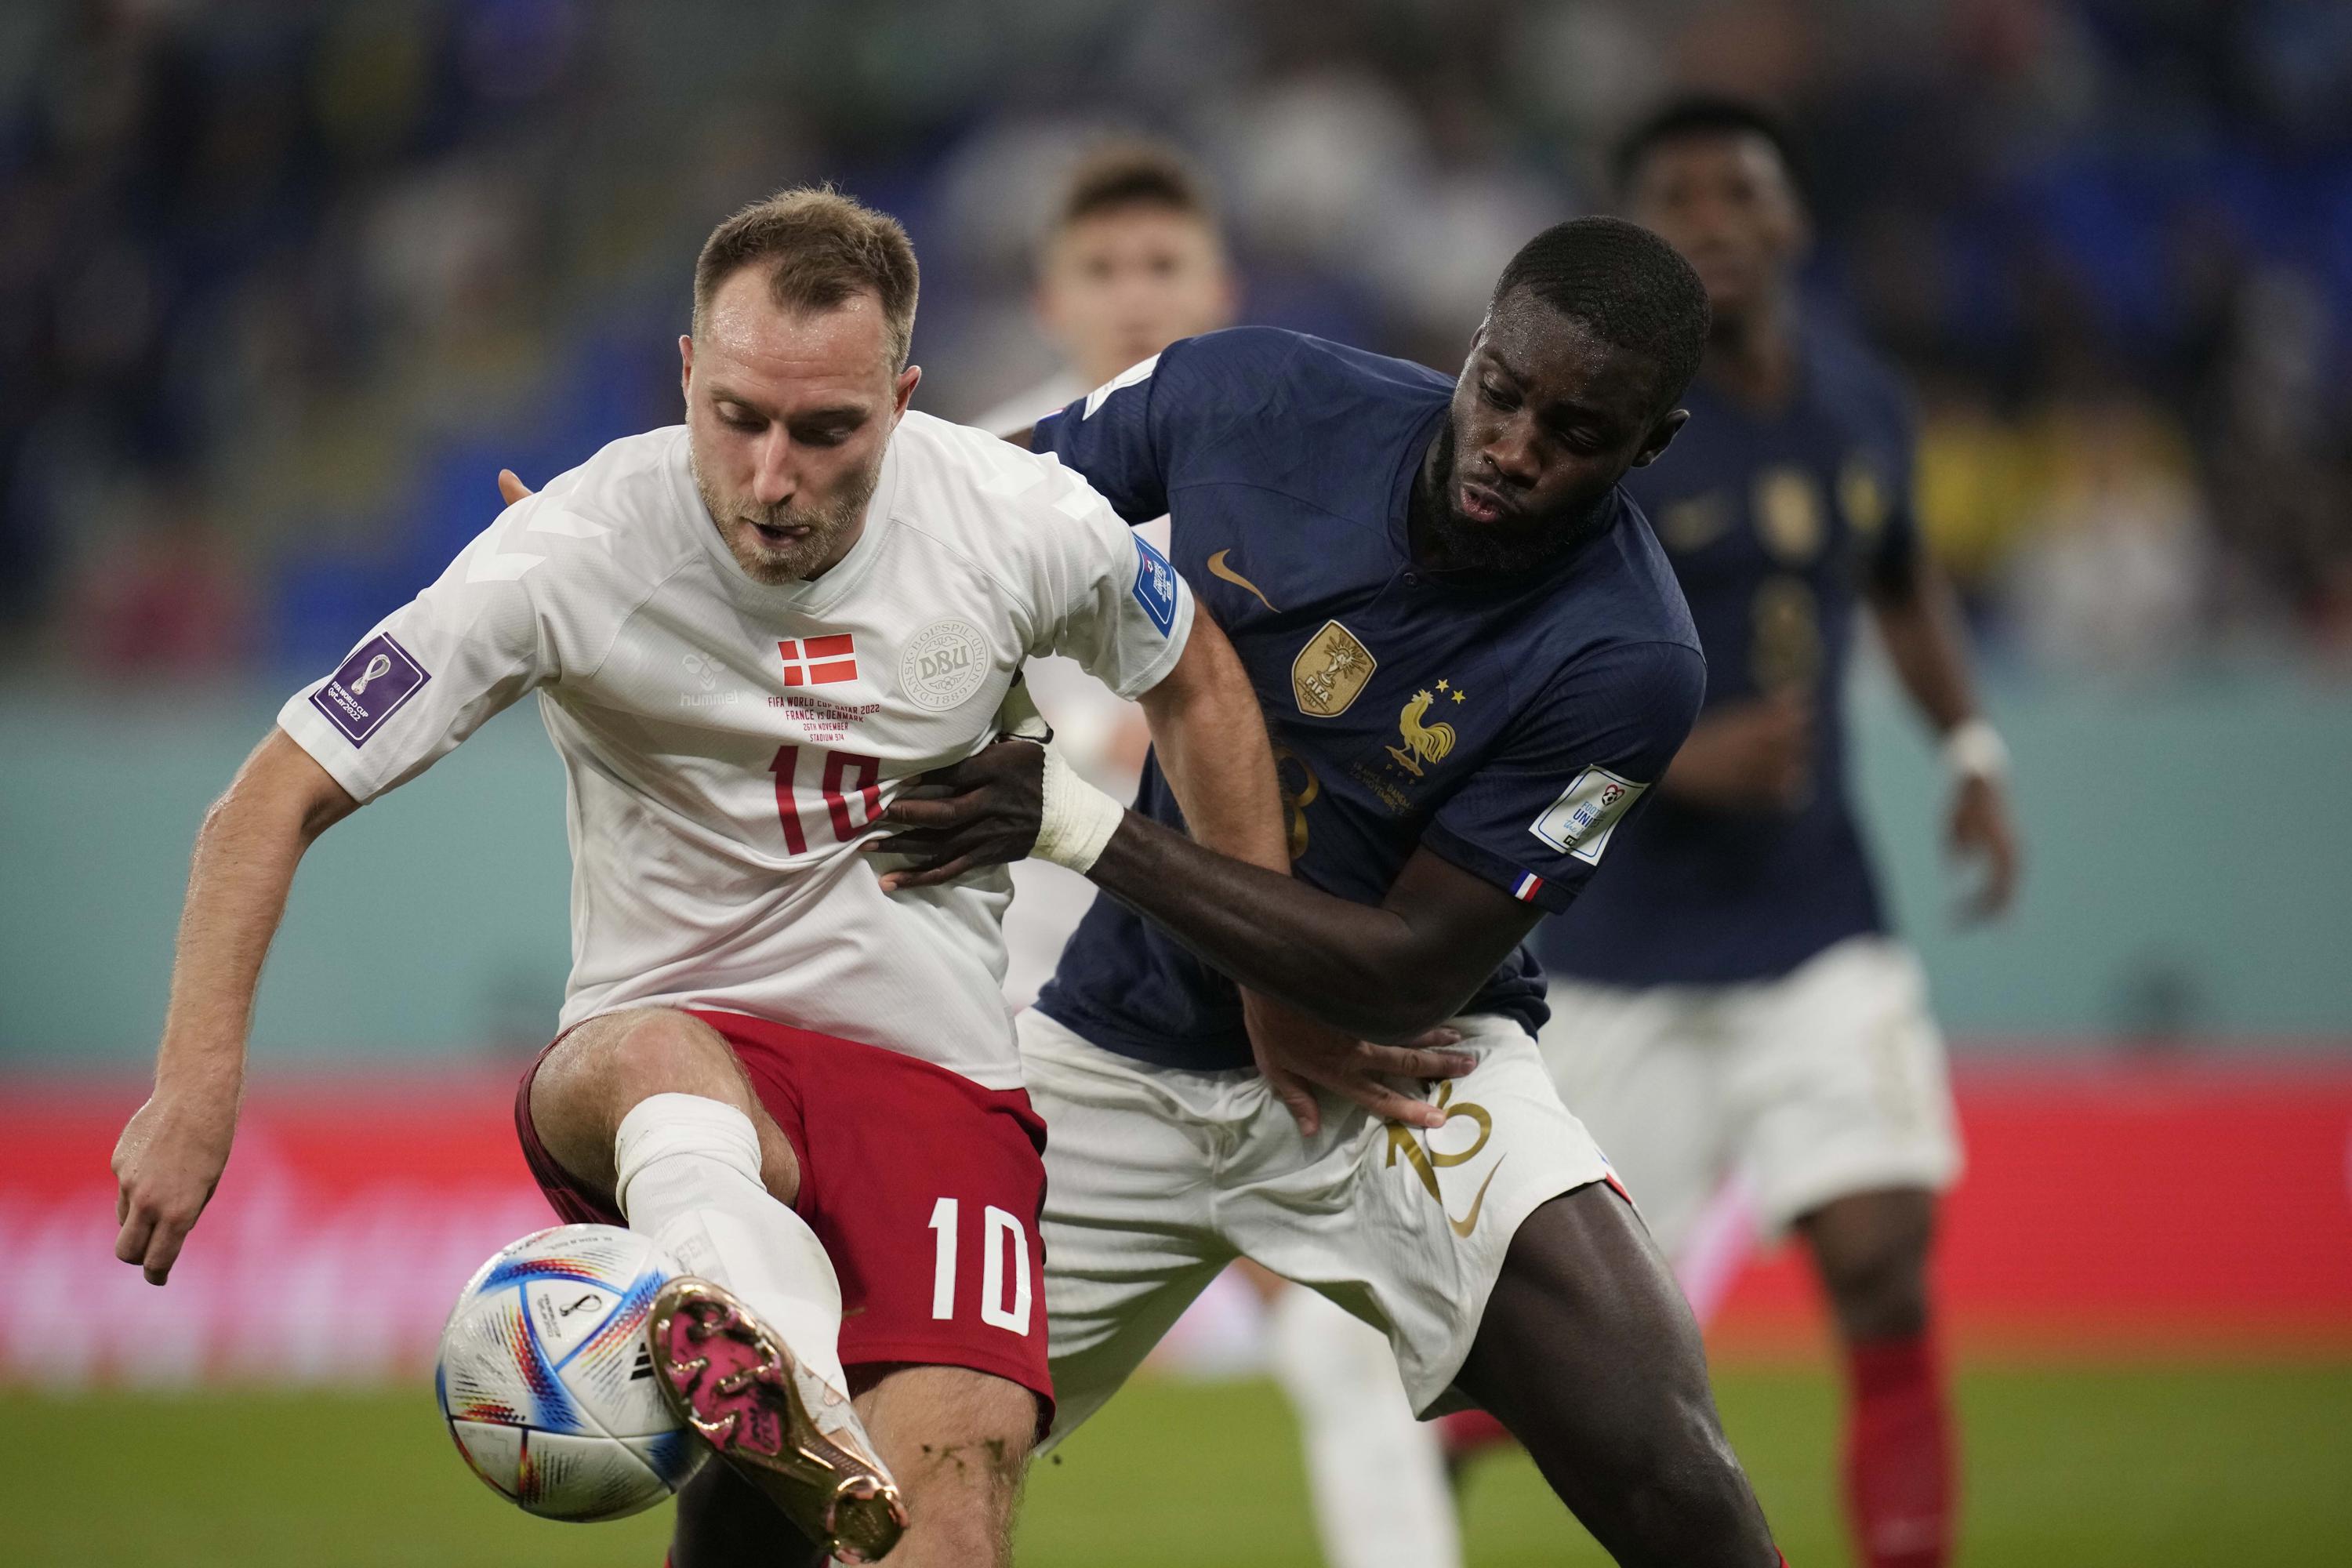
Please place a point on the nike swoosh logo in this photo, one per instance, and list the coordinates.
(1217, 568)
(1469, 1222)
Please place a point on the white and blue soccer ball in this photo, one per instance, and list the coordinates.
(547, 1381)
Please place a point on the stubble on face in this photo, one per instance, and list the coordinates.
(1443, 534)
(785, 544)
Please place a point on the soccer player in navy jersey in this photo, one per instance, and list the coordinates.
(1474, 663)
(1729, 1000)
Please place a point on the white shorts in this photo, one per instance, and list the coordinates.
(1156, 1178)
(1825, 1082)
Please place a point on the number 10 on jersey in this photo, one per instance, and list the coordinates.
(1003, 1266)
(842, 777)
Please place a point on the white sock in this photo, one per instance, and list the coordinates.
(1377, 1476)
(689, 1178)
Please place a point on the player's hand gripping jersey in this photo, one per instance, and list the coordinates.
(726, 742)
(1508, 723)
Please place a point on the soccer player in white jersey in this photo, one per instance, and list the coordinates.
(746, 634)
(1134, 260)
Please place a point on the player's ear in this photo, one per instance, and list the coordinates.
(904, 389)
(686, 365)
(1661, 436)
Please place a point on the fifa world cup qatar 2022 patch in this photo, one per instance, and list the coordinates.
(1155, 586)
(1579, 822)
(373, 684)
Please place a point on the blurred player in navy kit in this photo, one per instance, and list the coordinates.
(1729, 1000)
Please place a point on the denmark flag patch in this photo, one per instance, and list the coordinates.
(819, 662)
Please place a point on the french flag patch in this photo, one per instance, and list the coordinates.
(1526, 887)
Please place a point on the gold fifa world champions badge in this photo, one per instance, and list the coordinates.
(1330, 672)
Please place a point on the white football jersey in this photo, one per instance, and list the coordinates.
(726, 742)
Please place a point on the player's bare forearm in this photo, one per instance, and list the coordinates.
(1210, 737)
(1920, 621)
(1211, 740)
(1383, 972)
(172, 1154)
(246, 850)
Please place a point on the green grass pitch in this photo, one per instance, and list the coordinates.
(2077, 1467)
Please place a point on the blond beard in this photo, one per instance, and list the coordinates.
(795, 561)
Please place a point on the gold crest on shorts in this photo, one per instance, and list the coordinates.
(1330, 672)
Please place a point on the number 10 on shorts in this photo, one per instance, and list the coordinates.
(1004, 1250)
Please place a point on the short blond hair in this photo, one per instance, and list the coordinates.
(820, 247)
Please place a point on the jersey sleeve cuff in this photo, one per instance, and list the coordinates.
(1525, 883)
(1153, 673)
(328, 748)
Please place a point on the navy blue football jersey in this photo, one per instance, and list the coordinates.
(1773, 524)
(1509, 724)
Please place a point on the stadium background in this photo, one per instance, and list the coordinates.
(282, 285)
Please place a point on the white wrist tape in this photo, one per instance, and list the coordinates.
(1078, 818)
(1974, 750)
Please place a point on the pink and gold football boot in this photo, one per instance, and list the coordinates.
(727, 1375)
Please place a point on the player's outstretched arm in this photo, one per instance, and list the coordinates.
(172, 1154)
(1384, 972)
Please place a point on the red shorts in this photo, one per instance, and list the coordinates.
(924, 1187)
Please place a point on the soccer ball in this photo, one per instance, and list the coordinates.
(547, 1381)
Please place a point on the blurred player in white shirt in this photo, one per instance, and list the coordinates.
(1132, 260)
(1135, 260)
(749, 634)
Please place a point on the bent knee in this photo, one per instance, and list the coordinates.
(608, 1064)
(592, 1076)
(660, 1050)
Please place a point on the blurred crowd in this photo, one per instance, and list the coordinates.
(284, 282)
